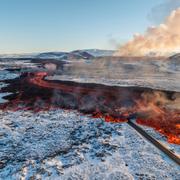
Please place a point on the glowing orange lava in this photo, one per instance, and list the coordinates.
(115, 104)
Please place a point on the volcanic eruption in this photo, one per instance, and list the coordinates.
(154, 108)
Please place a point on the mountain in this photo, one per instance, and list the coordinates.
(99, 52)
(25, 55)
(65, 55)
(52, 55)
(78, 54)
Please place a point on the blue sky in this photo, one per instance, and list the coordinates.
(64, 25)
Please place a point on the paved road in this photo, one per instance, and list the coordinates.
(156, 143)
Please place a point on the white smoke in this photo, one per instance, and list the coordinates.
(160, 41)
(50, 66)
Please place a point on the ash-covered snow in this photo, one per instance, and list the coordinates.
(3, 95)
(5, 75)
(62, 144)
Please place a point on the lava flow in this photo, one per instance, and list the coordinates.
(150, 107)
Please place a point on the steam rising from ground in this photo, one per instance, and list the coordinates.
(159, 41)
(50, 66)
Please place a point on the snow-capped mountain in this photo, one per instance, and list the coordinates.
(99, 52)
(65, 55)
(78, 54)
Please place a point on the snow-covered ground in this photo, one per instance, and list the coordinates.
(5, 75)
(61, 144)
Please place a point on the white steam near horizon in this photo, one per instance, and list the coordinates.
(160, 40)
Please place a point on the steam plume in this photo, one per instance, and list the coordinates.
(160, 41)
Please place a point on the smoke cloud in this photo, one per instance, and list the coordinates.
(50, 67)
(162, 40)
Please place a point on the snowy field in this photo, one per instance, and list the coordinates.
(66, 145)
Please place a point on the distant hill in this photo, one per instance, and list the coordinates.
(65, 55)
(99, 52)
(78, 54)
(26, 55)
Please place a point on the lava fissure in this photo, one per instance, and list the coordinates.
(150, 107)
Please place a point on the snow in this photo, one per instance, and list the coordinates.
(5, 75)
(62, 144)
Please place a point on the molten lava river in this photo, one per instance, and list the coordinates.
(153, 108)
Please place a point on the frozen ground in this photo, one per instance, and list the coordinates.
(61, 144)
(5, 75)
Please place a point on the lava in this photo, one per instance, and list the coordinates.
(31, 91)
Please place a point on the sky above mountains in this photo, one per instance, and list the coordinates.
(65, 25)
